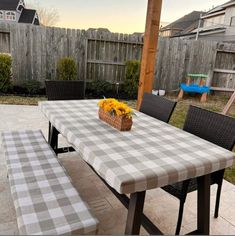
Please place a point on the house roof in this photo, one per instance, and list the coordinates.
(8, 4)
(229, 2)
(27, 16)
(221, 7)
(186, 23)
(208, 30)
(36, 21)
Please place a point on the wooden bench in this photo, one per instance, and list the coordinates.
(45, 200)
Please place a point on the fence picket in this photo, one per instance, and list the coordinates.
(100, 54)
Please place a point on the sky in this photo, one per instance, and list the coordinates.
(125, 16)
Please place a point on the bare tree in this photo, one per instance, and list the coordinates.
(47, 16)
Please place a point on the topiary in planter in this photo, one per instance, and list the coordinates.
(67, 69)
(132, 78)
(5, 73)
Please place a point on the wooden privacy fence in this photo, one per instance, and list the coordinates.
(101, 55)
(5, 42)
(177, 58)
(105, 58)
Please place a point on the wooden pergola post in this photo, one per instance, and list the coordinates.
(149, 49)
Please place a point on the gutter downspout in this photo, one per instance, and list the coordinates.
(198, 28)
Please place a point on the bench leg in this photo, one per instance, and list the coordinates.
(135, 212)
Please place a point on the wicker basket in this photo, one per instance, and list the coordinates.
(120, 123)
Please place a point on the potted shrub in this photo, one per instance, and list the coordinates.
(67, 69)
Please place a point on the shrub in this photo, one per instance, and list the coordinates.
(132, 78)
(101, 87)
(32, 86)
(5, 72)
(67, 69)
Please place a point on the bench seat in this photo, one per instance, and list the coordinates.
(45, 200)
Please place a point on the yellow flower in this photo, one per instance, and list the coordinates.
(115, 107)
(101, 103)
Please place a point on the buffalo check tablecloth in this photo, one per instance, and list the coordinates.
(153, 154)
(45, 200)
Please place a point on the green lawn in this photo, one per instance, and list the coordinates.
(214, 103)
(18, 100)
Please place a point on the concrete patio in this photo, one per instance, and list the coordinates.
(160, 207)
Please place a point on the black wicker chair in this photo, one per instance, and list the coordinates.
(213, 127)
(157, 107)
(62, 90)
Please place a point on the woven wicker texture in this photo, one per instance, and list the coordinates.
(64, 90)
(120, 123)
(177, 188)
(157, 107)
(213, 127)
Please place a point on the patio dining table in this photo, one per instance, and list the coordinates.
(153, 154)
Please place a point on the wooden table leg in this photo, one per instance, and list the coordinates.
(135, 211)
(203, 205)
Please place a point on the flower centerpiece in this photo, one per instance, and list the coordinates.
(116, 114)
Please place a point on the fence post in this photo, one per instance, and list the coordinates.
(85, 68)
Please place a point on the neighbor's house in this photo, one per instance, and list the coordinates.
(182, 26)
(218, 24)
(15, 11)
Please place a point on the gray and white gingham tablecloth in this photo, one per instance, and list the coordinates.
(45, 200)
(153, 154)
